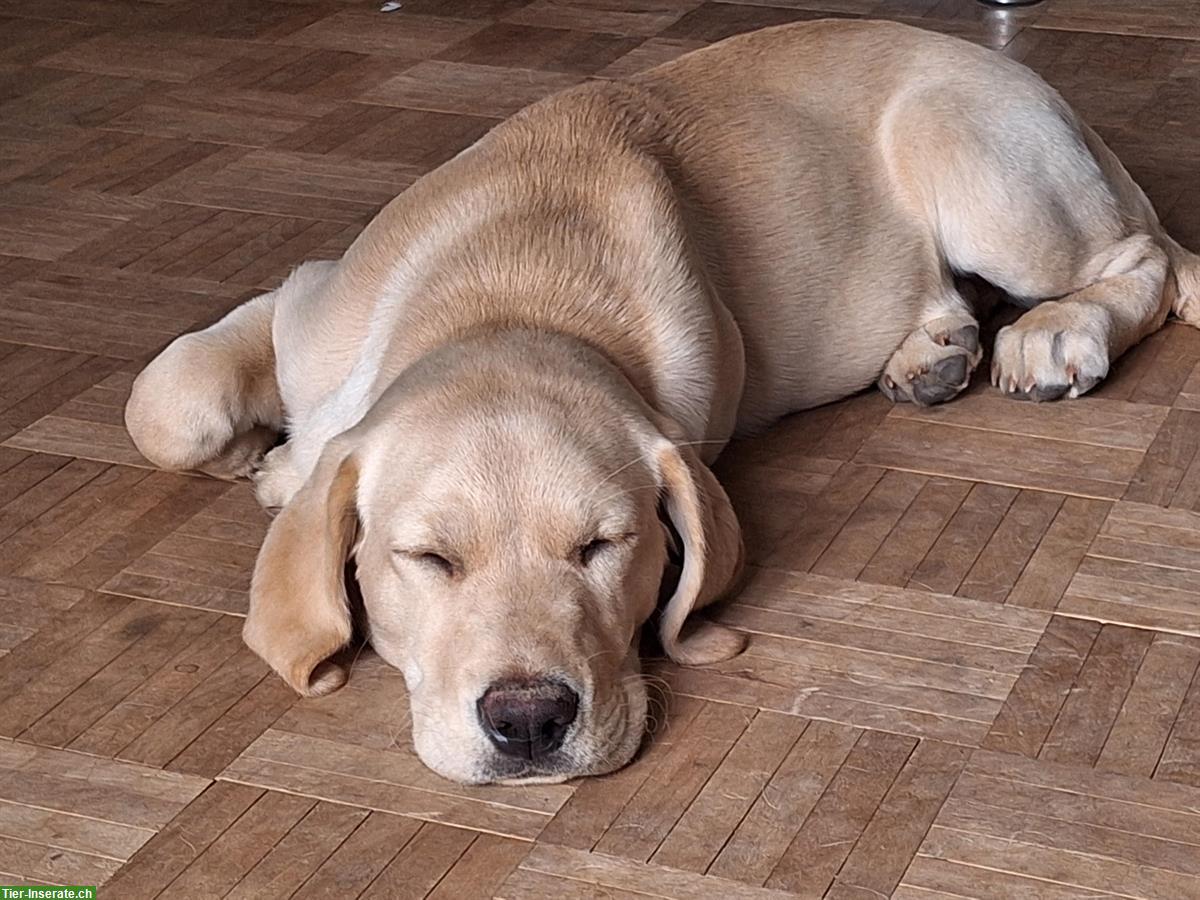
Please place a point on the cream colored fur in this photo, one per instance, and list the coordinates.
(545, 341)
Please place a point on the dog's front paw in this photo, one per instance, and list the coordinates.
(277, 480)
(1059, 348)
(242, 456)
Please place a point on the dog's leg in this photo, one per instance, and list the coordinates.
(935, 361)
(286, 468)
(1020, 193)
(211, 401)
(1064, 347)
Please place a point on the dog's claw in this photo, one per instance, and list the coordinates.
(966, 337)
(1056, 349)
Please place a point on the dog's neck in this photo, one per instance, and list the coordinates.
(480, 245)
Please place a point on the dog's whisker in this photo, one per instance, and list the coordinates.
(614, 473)
(625, 492)
(640, 456)
(354, 661)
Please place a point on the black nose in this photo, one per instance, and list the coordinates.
(527, 718)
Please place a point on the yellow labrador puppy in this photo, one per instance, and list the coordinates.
(544, 342)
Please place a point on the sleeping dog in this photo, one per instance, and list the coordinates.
(515, 379)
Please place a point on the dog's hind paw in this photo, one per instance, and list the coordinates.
(935, 362)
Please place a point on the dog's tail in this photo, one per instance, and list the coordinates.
(210, 400)
(1184, 281)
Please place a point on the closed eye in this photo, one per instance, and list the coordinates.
(587, 552)
(432, 560)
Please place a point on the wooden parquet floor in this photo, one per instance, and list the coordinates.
(974, 630)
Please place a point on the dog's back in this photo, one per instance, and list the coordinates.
(754, 229)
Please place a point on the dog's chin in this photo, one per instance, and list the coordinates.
(534, 779)
(555, 769)
(556, 774)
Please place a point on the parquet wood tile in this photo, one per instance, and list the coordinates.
(357, 862)
(1140, 570)
(294, 184)
(45, 223)
(411, 36)
(29, 41)
(87, 425)
(1152, 80)
(84, 521)
(648, 54)
(443, 862)
(906, 661)
(79, 99)
(150, 683)
(1164, 478)
(770, 498)
(189, 714)
(871, 8)
(711, 22)
(1158, 370)
(27, 606)
(551, 871)
(120, 315)
(204, 244)
(68, 816)
(115, 14)
(150, 55)
(476, 90)
(264, 21)
(644, 18)
(1014, 827)
(311, 71)
(38, 380)
(535, 47)
(1179, 217)
(1092, 450)
(419, 138)
(1159, 18)
(1105, 696)
(206, 562)
(26, 147)
(113, 162)
(974, 631)
(247, 118)
(190, 834)
(1049, 570)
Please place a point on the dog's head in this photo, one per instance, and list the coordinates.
(505, 523)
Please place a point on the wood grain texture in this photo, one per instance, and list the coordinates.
(1010, 825)
(974, 630)
(67, 815)
(1094, 453)
(1139, 570)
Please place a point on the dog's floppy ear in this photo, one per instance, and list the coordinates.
(299, 613)
(713, 555)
